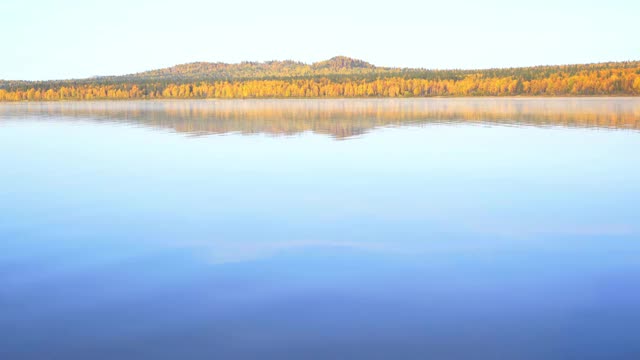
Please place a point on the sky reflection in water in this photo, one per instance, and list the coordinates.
(445, 228)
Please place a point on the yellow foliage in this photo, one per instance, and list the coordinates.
(614, 81)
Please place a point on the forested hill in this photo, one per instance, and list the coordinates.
(199, 71)
(337, 77)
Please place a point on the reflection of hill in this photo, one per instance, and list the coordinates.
(340, 118)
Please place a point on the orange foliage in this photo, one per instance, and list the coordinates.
(613, 81)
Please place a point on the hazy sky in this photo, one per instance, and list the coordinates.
(49, 39)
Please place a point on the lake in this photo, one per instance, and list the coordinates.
(484, 228)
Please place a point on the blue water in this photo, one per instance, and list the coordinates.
(344, 229)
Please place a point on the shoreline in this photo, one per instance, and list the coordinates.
(513, 97)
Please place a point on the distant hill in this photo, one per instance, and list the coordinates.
(339, 65)
(339, 76)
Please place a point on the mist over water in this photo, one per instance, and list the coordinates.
(485, 228)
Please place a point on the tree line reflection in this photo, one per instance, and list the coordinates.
(342, 118)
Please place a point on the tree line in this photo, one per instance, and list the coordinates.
(572, 80)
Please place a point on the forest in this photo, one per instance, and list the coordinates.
(334, 78)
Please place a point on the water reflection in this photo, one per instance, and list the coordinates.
(341, 118)
(453, 241)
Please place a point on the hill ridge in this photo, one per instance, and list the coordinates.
(257, 69)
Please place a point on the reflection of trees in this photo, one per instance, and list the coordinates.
(341, 118)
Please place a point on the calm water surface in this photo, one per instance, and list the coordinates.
(334, 229)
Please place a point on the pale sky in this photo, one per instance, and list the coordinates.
(60, 39)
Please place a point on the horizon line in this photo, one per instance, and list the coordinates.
(320, 61)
